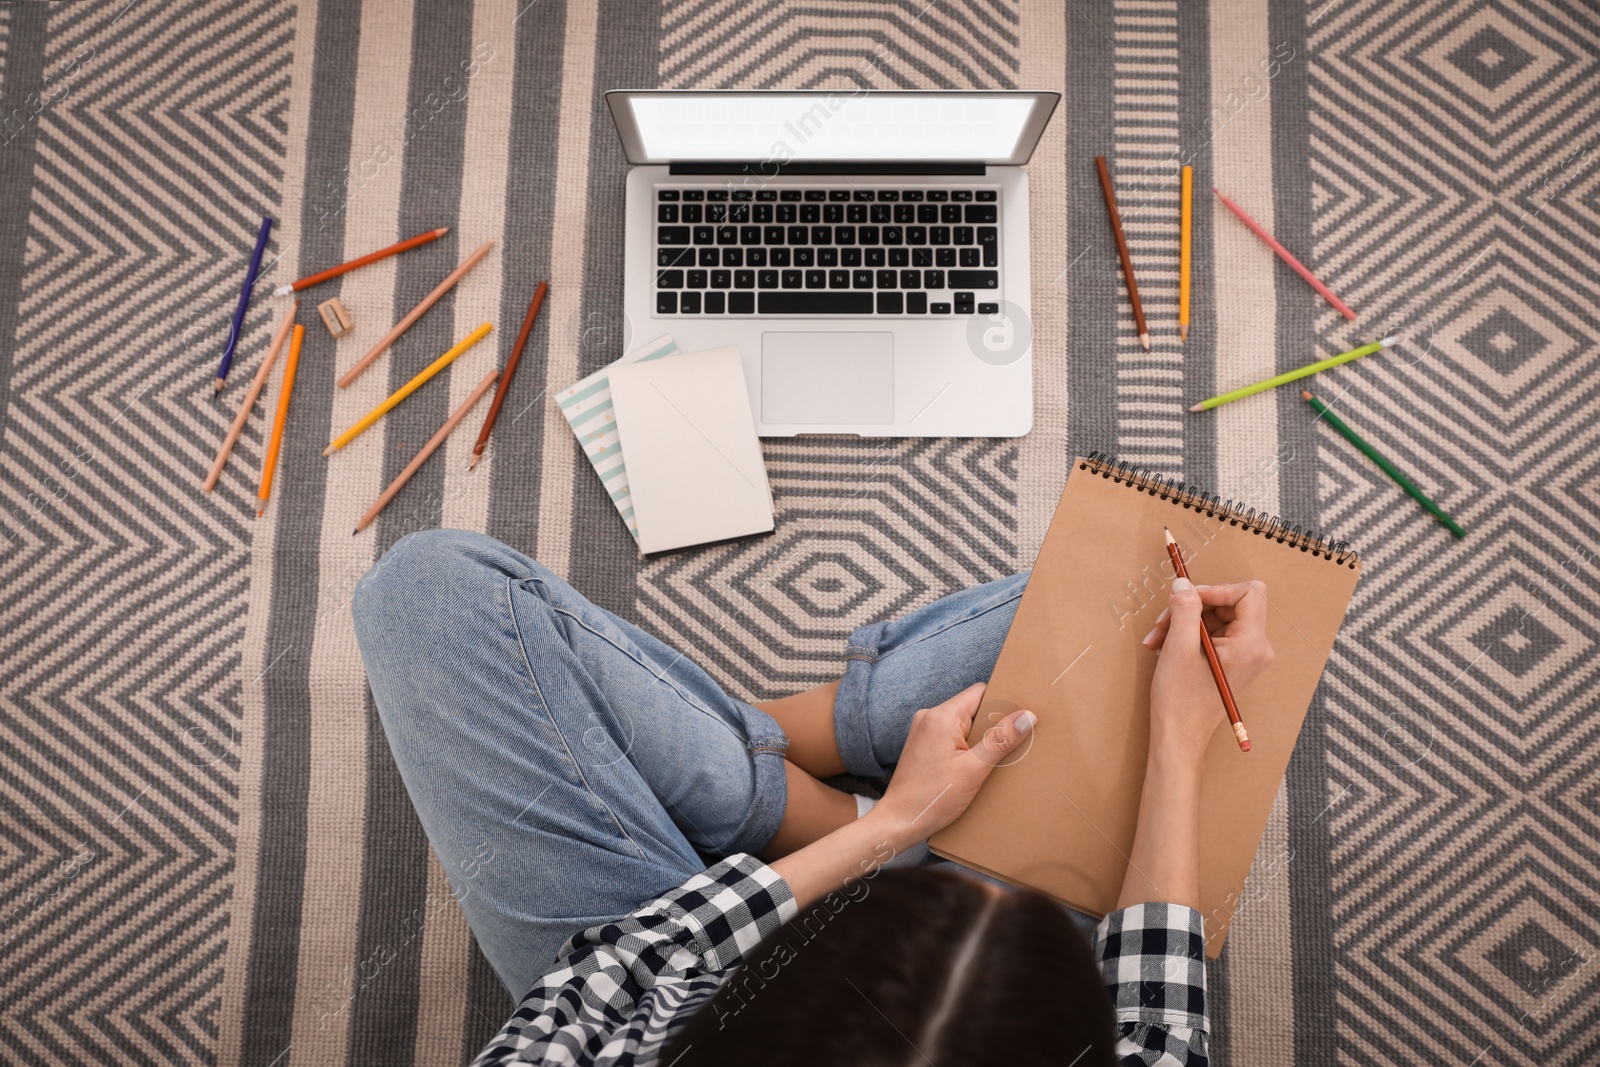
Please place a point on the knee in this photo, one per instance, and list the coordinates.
(427, 573)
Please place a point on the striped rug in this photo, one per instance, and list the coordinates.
(206, 855)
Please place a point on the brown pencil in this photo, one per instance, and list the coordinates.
(360, 261)
(416, 313)
(511, 368)
(250, 395)
(1122, 250)
(428, 449)
(1211, 654)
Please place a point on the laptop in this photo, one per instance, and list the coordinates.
(866, 251)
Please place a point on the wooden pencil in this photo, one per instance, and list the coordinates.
(428, 449)
(370, 257)
(511, 369)
(1185, 222)
(407, 389)
(249, 402)
(244, 302)
(416, 313)
(1122, 250)
(1383, 463)
(1294, 375)
(1221, 679)
(284, 392)
(1283, 254)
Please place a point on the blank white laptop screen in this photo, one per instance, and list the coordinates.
(833, 127)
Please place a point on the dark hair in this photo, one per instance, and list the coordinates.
(908, 967)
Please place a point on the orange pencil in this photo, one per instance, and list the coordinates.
(1211, 655)
(277, 424)
(428, 449)
(250, 395)
(370, 257)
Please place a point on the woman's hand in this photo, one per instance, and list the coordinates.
(1185, 707)
(938, 773)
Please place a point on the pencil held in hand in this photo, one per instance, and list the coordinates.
(1211, 654)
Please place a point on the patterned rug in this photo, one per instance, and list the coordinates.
(205, 852)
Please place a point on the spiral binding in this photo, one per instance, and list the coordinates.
(1211, 504)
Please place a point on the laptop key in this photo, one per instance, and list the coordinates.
(716, 194)
(786, 213)
(986, 194)
(744, 279)
(667, 213)
(916, 235)
(899, 257)
(937, 195)
(962, 234)
(704, 235)
(838, 194)
(844, 235)
(832, 302)
(904, 213)
(969, 257)
(891, 304)
(666, 194)
(988, 309)
(981, 213)
(797, 235)
(888, 194)
(882, 213)
(738, 213)
(911, 194)
(666, 303)
(717, 214)
(755, 257)
(916, 303)
(827, 257)
(743, 194)
(855, 213)
(838, 279)
(911, 279)
(933, 279)
(874, 257)
(779, 257)
(863, 194)
(832, 213)
(721, 279)
(974, 279)
(767, 279)
(674, 257)
(727, 235)
(923, 257)
(694, 194)
(788, 194)
(822, 235)
(849, 257)
(766, 194)
(733, 257)
(938, 235)
(886, 279)
(672, 235)
(669, 279)
(696, 279)
(709, 257)
(693, 213)
(989, 240)
(816, 194)
(715, 303)
(762, 214)
(861, 279)
(939, 309)
(750, 235)
(792, 279)
(946, 257)
(950, 213)
(961, 194)
(690, 303)
(741, 303)
(804, 257)
(816, 279)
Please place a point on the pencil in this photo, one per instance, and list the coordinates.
(250, 395)
(416, 313)
(244, 302)
(428, 449)
(1122, 250)
(407, 389)
(1388, 468)
(284, 390)
(370, 257)
(1185, 221)
(1283, 254)
(1211, 654)
(1294, 375)
(511, 368)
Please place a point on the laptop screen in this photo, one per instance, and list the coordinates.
(986, 127)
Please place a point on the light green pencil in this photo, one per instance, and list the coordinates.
(1296, 374)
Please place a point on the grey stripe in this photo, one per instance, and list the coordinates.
(286, 761)
(1310, 871)
(1200, 351)
(604, 560)
(24, 74)
(1094, 283)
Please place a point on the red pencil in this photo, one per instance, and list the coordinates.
(1283, 254)
(370, 257)
(505, 379)
(1211, 654)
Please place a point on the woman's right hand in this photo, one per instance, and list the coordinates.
(1185, 707)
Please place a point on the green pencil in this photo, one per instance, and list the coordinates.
(1295, 375)
(1390, 469)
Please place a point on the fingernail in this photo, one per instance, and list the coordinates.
(1025, 722)
(1148, 638)
(1181, 585)
(1163, 616)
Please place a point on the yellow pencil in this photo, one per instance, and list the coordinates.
(407, 389)
(1185, 220)
(284, 391)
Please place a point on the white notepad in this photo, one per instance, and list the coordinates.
(695, 469)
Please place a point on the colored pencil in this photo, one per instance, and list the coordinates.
(511, 368)
(416, 313)
(1283, 254)
(244, 302)
(370, 257)
(407, 389)
(250, 395)
(1122, 250)
(1294, 375)
(1211, 654)
(1388, 468)
(284, 391)
(1185, 222)
(428, 449)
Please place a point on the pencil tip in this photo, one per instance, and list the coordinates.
(1144, 339)
(1197, 407)
(1387, 341)
(1305, 394)
(472, 464)
(260, 512)
(325, 451)
(1168, 534)
(355, 531)
(1183, 333)
(219, 385)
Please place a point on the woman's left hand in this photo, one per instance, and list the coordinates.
(939, 773)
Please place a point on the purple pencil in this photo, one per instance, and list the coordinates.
(244, 302)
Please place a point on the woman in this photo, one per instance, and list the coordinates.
(599, 804)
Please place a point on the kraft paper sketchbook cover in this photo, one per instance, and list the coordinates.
(1058, 815)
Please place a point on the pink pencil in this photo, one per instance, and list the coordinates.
(1283, 254)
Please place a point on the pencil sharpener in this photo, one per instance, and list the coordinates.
(335, 317)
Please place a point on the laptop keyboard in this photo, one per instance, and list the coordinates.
(799, 251)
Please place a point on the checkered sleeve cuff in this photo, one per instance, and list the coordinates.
(1153, 959)
(730, 907)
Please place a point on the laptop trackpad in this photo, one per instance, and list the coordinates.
(827, 378)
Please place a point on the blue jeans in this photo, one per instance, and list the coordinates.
(567, 766)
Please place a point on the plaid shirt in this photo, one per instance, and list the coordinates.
(622, 986)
